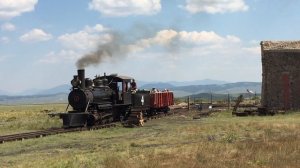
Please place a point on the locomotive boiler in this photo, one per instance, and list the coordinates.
(106, 99)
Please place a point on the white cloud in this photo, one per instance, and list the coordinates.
(74, 45)
(215, 6)
(163, 38)
(98, 28)
(4, 40)
(126, 7)
(8, 27)
(254, 50)
(56, 57)
(178, 54)
(13, 8)
(196, 51)
(87, 39)
(219, 56)
(36, 35)
(175, 40)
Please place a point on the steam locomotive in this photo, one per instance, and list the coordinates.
(106, 99)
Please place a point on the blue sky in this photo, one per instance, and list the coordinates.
(166, 40)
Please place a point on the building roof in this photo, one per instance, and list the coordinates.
(125, 78)
(283, 46)
(117, 78)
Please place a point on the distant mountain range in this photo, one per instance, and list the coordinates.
(218, 97)
(59, 93)
(58, 89)
(30, 92)
(172, 84)
(35, 99)
(199, 82)
(231, 88)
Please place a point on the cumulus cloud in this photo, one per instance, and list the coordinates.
(195, 51)
(13, 8)
(8, 27)
(169, 44)
(125, 7)
(175, 44)
(179, 39)
(86, 39)
(36, 35)
(55, 57)
(215, 6)
(98, 28)
(215, 54)
(78, 43)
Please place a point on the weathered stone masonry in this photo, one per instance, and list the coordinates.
(281, 74)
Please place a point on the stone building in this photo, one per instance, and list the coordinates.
(281, 74)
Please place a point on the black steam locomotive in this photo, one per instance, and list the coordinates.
(106, 99)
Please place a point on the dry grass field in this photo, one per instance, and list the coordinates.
(220, 140)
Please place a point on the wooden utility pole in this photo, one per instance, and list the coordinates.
(211, 98)
(228, 101)
(188, 103)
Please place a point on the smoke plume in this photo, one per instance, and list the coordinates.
(115, 47)
(121, 45)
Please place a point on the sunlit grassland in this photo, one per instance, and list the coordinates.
(220, 140)
(22, 118)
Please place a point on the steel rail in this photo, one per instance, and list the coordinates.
(47, 132)
(53, 131)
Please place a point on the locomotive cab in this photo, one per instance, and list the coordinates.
(121, 86)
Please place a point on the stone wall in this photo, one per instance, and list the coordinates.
(281, 74)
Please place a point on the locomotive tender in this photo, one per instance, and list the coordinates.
(111, 98)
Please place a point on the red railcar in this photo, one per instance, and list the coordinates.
(161, 100)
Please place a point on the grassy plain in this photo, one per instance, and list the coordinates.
(23, 118)
(220, 140)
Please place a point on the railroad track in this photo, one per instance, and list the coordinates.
(47, 132)
(161, 115)
(158, 116)
(53, 131)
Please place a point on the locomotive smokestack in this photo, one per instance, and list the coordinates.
(81, 76)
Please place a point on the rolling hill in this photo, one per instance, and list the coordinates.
(59, 94)
(232, 88)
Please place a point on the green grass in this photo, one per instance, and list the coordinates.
(28, 117)
(176, 141)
